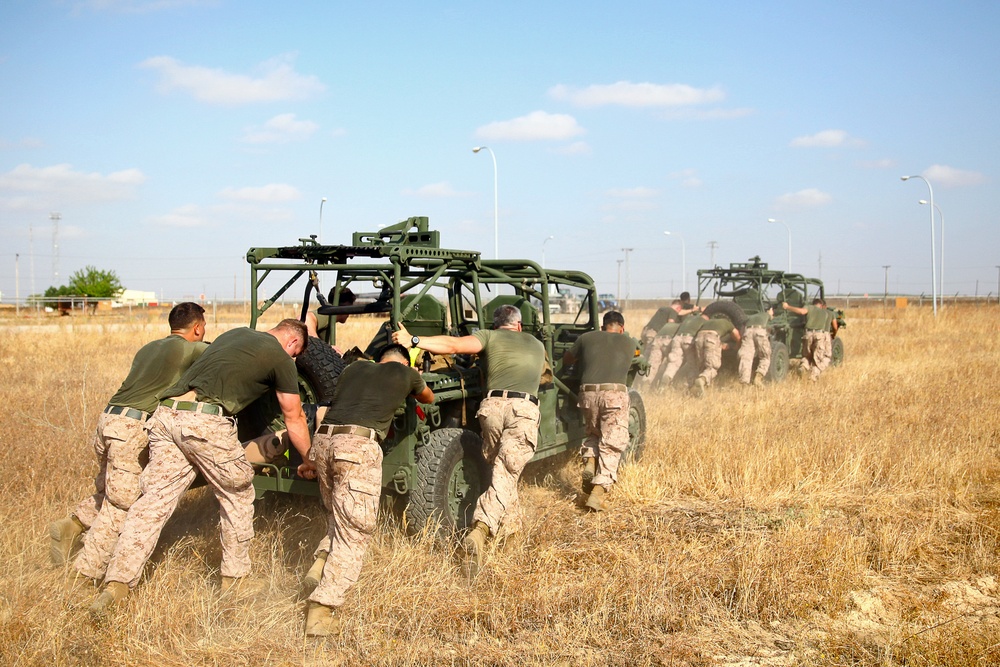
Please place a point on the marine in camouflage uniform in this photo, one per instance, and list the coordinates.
(817, 342)
(712, 339)
(120, 443)
(508, 417)
(604, 357)
(681, 346)
(756, 345)
(193, 431)
(348, 461)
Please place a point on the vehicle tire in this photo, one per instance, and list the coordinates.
(636, 428)
(451, 475)
(779, 362)
(837, 352)
(730, 309)
(319, 371)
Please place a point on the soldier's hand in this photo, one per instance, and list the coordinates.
(402, 337)
(306, 470)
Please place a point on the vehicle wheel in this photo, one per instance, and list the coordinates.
(636, 428)
(451, 475)
(730, 309)
(319, 371)
(837, 352)
(779, 362)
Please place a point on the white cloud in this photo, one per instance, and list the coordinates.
(626, 93)
(281, 129)
(276, 81)
(184, 217)
(26, 142)
(688, 178)
(827, 139)
(41, 188)
(639, 198)
(808, 198)
(268, 194)
(536, 126)
(949, 177)
(434, 190)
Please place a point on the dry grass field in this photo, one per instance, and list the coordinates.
(852, 522)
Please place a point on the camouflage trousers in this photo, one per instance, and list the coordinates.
(606, 415)
(658, 350)
(755, 345)
(817, 348)
(708, 347)
(181, 445)
(349, 470)
(680, 347)
(510, 435)
(120, 443)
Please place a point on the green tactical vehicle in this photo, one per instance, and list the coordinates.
(744, 288)
(433, 462)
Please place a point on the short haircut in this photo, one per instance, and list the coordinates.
(613, 317)
(676, 302)
(185, 315)
(296, 328)
(506, 315)
(819, 302)
(347, 297)
(685, 297)
(394, 350)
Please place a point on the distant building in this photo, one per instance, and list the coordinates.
(131, 297)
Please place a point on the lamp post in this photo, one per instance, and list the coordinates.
(684, 284)
(885, 299)
(789, 230)
(543, 248)
(940, 253)
(933, 258)
(496, 208)
(321, 202)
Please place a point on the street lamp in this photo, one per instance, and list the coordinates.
(933, 258)
(885, 299)
(940, 255)
(684, 284)
(789, 230)
(496, 209)
(543, 249)
(321, 202)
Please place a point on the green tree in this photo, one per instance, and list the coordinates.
(89, 281)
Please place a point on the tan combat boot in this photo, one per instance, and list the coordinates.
(315, 573)
(595, 502)
(589, 470)
(321, 621)
(698, 388)
(474, 545)
(758, 380)
(112, 593)
(65, 535)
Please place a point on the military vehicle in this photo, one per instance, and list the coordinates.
(745, 287)
(433, 463)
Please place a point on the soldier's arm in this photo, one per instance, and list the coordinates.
(439, 344)
(298, 429)
(793, 309)
(426, 396)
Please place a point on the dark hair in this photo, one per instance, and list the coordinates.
(613, 317)
(819, 302)
(185, 315)
(686, 297)
(347, 297)
(297, 327)
(395, 350)
(506, 315)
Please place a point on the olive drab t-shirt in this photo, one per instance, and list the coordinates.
(758, 319)
(662, 316)
(669, 329)
(514, 360)
(368, 394)
(720, 325)
(604, 357)
(817, 318)
(690, 325)
(239, 366)
(156, 366)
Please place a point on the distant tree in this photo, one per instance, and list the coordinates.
(89, 281)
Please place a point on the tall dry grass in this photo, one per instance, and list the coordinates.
(853, 522)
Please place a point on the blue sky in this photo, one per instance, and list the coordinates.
(172, 135)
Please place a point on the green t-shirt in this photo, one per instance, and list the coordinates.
(661, 317)
(669, 329)
(239, 366)
(368, 394)
(155, 367)
(514, 360)
(719, 325)
(690, 325)
(758, 319)
(817, 317)
(604, 356)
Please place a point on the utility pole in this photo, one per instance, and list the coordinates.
(820, 273)
(619, 292)
(628, 274)
(55, 217)
(17, 284)
(998, 284)
(885, 299)
(712, 245)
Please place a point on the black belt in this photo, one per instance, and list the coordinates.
(193, 406)
(126, 411)
(349, 429)
(607, 386)
(502, 393)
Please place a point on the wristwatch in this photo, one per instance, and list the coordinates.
(415, 341)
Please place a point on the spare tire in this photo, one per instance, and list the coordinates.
(319, 371)
(730, 309)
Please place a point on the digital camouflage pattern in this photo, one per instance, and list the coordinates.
(606, 416)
